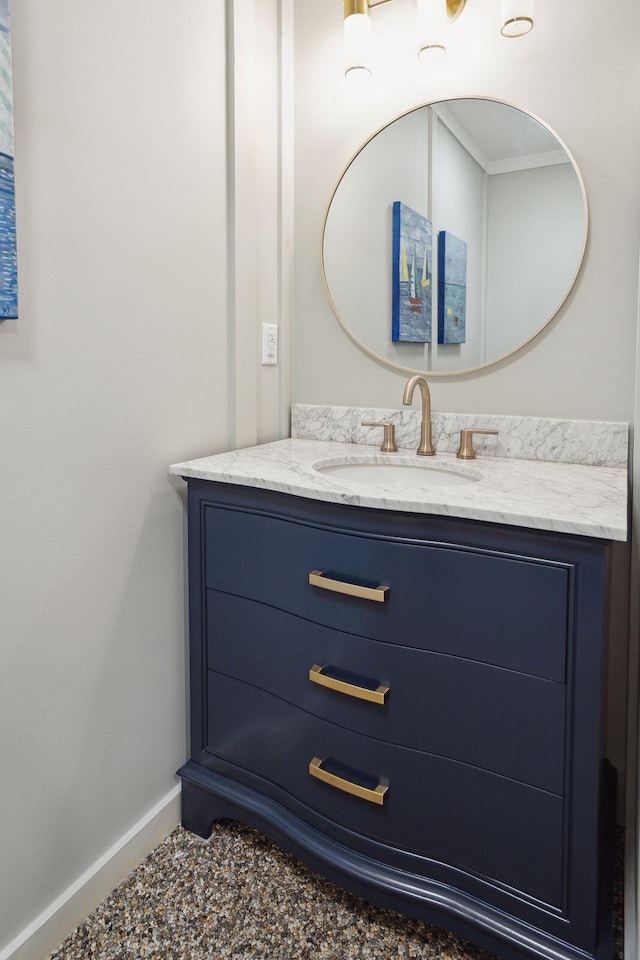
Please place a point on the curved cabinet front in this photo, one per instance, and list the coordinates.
(492, 827)
(432, 741)
(503, 721)
(522, 627)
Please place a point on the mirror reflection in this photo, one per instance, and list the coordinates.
(454, 236)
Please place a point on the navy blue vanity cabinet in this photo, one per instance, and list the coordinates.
(412, 705)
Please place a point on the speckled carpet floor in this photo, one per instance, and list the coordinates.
(239, 895)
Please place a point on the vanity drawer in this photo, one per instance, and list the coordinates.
(510, 723)
(492, 827)
(482, 605)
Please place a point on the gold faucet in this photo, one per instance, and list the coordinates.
(426, 446)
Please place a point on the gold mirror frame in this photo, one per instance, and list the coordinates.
(483, 366)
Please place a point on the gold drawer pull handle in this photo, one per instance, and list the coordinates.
(318, 579)
(351, 689)
(373, 796)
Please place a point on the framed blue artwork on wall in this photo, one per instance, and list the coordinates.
(412, 275)
(452, 288)
(8, 250)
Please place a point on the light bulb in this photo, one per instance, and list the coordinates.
(357, 46)
(431, 26)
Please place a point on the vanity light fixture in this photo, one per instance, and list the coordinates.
(431, 23)
(358, 38)
(516, 17)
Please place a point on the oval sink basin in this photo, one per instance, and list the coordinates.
(397, 474)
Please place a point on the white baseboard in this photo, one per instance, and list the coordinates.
(47, 931)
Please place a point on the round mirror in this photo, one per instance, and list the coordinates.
(454, 236)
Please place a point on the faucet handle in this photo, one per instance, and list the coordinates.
(465, 450)
(389, 444)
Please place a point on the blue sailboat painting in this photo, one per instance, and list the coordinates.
(8, 249)
(411, 307)
(452, 288)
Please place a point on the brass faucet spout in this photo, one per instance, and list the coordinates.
(426, 448)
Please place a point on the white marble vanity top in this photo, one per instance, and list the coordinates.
(562, 497)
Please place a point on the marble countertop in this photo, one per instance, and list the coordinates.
(562, 497)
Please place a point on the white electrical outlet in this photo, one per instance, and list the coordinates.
(269, 344)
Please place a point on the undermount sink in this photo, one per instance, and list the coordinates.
(396, 474)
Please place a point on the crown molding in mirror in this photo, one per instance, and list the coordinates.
(407, 368)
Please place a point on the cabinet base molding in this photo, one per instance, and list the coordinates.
(208, 796)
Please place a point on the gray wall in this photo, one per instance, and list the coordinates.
(577, 74)
(459, 207)
(358, 236)
(116, 368)
(530, 266)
